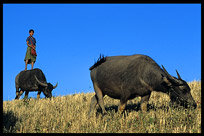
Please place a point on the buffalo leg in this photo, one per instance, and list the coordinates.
(123, 102)
(100, 98)
(144, 102)
(121, 106)
(26, 94)
(19, 94)
(93, 105)
(38, 95)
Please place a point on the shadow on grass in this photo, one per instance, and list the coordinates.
(133, 107)
(9, 121)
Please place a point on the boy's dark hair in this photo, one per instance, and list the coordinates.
(31, 30)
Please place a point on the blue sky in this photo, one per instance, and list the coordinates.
(70, 38)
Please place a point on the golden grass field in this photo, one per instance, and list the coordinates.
(68, 114)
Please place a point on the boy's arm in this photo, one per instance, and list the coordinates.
(30, 45)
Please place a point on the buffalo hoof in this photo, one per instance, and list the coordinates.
(144, 107)
(104, 113)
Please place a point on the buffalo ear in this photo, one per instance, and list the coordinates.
(166, 80)
(174, 80)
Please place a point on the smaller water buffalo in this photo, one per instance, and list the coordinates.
(127, 77)
(33, 80)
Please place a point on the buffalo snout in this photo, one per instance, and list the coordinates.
(185, 101)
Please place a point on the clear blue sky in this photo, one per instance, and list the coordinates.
(70, 38)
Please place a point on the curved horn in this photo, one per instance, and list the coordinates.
(43, 84)
(170, 77)
(167, 73)
(179, 77)
(55, 86)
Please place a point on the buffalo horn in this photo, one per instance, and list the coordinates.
(43, 84)
(179, 77)
(55, 86)
(171, 78)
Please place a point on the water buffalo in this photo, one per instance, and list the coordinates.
(33, 80)
(126, 77)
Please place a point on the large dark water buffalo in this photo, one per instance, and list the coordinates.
(126, 77)
(33, 80)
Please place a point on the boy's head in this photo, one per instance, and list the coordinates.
(31, 32)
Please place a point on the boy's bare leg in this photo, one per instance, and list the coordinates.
(26, 63)
(32, 64)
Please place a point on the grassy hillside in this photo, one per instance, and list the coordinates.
(68, 114)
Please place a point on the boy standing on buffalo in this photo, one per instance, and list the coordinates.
(31, 43)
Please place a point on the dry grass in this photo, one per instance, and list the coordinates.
(68, 114)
